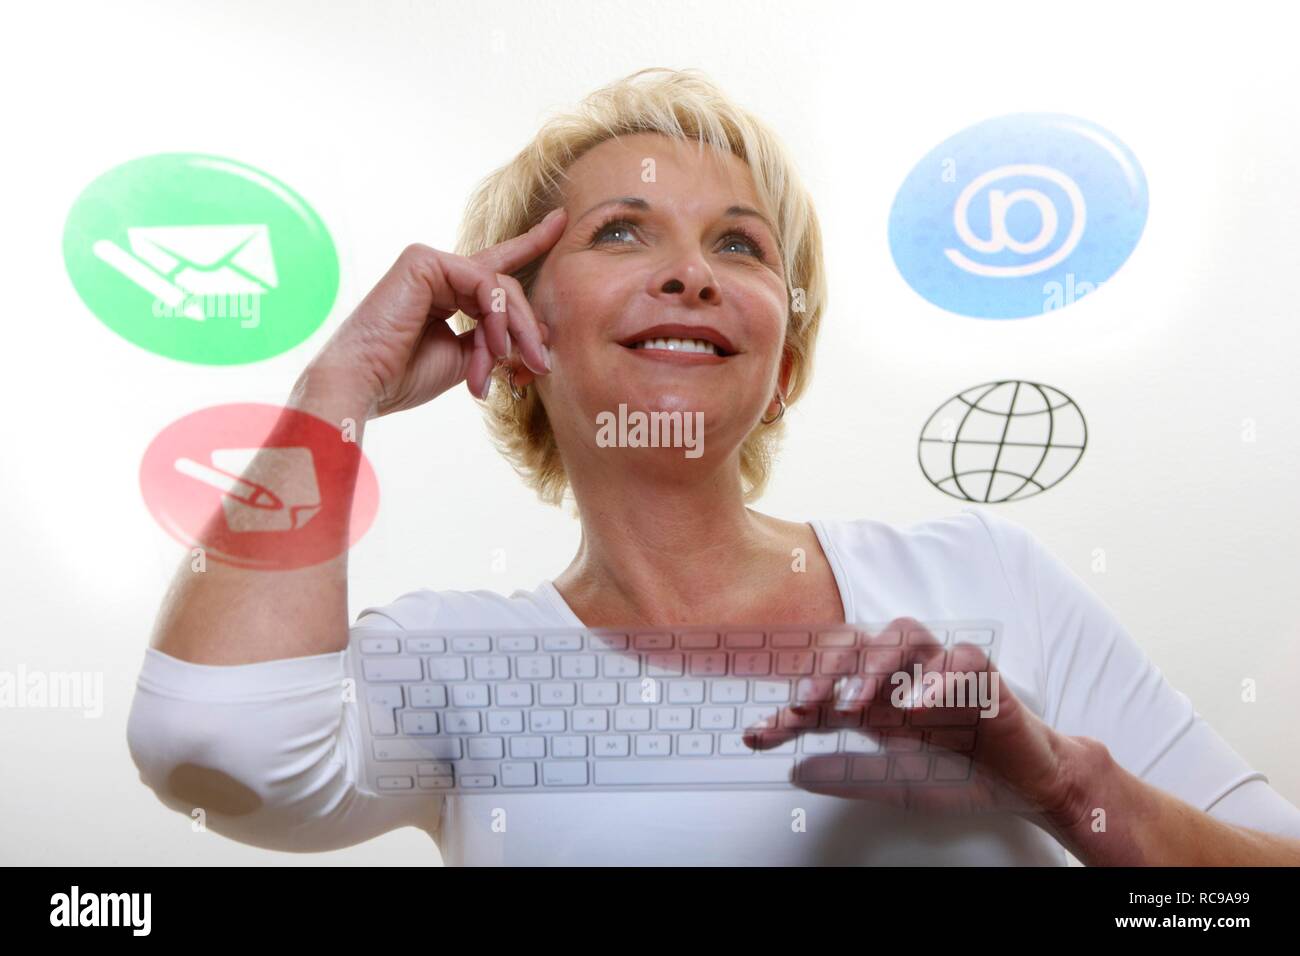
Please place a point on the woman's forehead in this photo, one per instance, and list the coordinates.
(651, 163)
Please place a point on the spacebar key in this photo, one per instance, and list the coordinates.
(688, 770)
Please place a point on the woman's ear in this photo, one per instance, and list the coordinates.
(783, 377)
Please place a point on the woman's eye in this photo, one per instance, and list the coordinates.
(739, 237)
(623, 225)
(616, 225)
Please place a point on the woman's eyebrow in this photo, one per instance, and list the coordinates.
(636, 202)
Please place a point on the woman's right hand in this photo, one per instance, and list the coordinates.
(396, 349)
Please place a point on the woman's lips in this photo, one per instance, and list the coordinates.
(678, 357)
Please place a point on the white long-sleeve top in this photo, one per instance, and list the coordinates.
(275, 752)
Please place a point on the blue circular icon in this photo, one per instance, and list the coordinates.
(1018, 215)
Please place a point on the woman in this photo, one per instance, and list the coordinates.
(656, 249)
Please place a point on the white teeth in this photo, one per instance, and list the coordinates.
(678, 345)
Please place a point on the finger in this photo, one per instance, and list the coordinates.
(467, 278)
(811, 697)
(527, 330)
(479, 373)
(514, 254)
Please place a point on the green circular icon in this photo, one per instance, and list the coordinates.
(201, 259)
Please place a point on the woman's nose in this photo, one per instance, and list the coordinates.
(690, 279)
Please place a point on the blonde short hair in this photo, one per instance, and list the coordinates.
(686, 105)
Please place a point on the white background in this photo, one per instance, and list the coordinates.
(384, 115)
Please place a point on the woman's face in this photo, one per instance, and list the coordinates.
(685, 251)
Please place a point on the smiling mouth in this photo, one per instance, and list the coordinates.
(679, 346)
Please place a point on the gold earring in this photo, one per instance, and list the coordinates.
(515, 393)
(780, 399)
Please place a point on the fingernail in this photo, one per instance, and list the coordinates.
(546, 358)
(487, 388)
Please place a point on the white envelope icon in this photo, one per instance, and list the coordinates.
(176, 262)
(266, 489)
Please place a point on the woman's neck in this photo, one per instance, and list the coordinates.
(659, 555)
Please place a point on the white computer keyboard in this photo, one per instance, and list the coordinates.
(609, 709)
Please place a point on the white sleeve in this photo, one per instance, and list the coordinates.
(1100, 684)
(270, 752)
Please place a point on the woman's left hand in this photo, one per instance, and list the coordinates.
(998, 757)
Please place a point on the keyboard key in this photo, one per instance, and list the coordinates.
(618, 666)
(505, 721)
(514, 695)
(793, 663)
(387, 695)
(790, 639)
(562, 773)
(516, 773)
(427, 695)
(653, 642)
(486, 748)
(419, 723)
(528, 746)
(708, 665)
(838, 662)
(562, 642)
(612, 745)
(577, 666)
(729, 692)
(516, 643)
(674, 718)
(395, 783)
(425, 645)
(821, 743)
(435, 768)
(568, 746)
(599, 693)
(753, 664)
(695, 642)
(446, 668)
(470, 695)
(471, 645)
(391, 669)
(557, 695)
(631, 720)
(746, 639)
(695, 745)
(534, 668)
(837, 639)
(463, 722)
(591, 721)
(649, 772)
(431, 748)
(380, 645)
(686, 692)
(664, 665)
(477, 781)
(383, 720)
(653, 745)
(490, 668)
(546, 721)
(717, 718)
(436, 783)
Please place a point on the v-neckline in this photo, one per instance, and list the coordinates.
(553, 594)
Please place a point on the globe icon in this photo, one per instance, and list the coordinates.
(1002, 441)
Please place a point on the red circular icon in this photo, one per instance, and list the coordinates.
(260, 486)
